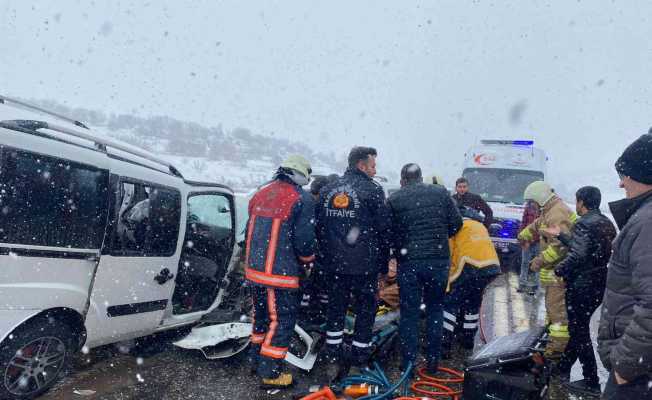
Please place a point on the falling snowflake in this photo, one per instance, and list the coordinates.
(23, 382)
(353, 235)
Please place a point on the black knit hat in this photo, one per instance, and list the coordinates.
(318, 183)
(636, 161)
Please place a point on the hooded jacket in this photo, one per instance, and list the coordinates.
(625, 333)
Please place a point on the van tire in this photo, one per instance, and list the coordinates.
(48, 335)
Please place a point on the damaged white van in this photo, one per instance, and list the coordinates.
(100, 242)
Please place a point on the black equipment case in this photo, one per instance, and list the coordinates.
(509, 368)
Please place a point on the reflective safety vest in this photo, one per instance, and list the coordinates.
(471, 245)
(547, 276)
(554, 213)
(280, 235)
(558, 331)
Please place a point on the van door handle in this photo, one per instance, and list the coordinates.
(163, 276)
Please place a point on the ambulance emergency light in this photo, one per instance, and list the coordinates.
(512, 142)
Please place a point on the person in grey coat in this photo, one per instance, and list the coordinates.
(625, 334)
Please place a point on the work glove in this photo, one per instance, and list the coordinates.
(535, 264)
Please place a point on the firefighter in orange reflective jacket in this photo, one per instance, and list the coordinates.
(280, 240)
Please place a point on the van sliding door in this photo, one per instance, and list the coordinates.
(53, 213)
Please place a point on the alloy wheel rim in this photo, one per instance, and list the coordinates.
(35, 366)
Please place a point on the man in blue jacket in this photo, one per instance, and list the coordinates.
(280, 241)
(352, 230)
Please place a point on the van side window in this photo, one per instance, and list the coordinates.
(148, 220)
(48, 201)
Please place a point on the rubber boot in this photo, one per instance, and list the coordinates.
(283, 381)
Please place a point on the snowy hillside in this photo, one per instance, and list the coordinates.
(238, 158)
(244, 160)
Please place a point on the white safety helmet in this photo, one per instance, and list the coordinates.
(539, 192)
(298, 169)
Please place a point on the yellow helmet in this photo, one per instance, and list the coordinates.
(539, 192)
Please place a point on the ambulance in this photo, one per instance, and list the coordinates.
(499, 171)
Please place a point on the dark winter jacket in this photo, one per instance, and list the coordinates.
(423, 218)
(625, 334)
(589, 250)
(477, 203)
(530, 213)
(353, 225)
(280, 234)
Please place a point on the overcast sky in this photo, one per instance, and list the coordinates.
(419, 80)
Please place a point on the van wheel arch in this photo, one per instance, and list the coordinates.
(68, 316)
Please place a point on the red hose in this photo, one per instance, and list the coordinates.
(458, 375)
(420, 388)
(324, 394)
(427, 383)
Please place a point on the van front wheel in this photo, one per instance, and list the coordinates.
(33, 358)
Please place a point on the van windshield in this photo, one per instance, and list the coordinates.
(500, 185)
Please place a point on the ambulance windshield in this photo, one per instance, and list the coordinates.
(500, 185)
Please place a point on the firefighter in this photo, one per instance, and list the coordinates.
(280, 241)
(353, 224)
(474, 264)
(554, 212)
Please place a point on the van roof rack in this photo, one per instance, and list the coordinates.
(32, 107)
(100, 144)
